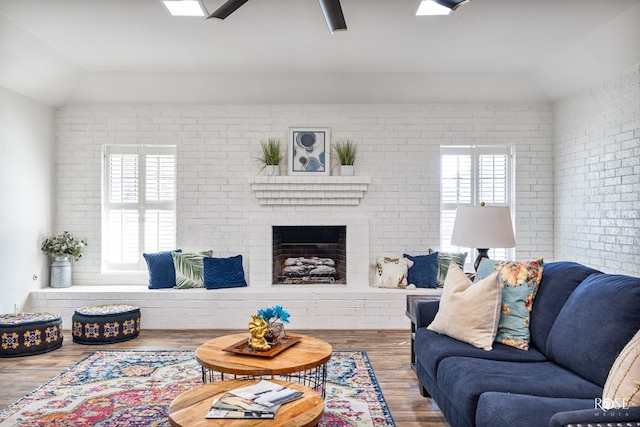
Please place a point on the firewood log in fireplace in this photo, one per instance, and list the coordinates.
(301, 267)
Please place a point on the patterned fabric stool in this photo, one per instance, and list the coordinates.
(105, 324)
(24, 334)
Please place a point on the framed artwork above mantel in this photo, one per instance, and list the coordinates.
(309, 151)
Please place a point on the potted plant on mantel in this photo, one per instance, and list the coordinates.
(345, 151)
(270, 156)
(61, 248)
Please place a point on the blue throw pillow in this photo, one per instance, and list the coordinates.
(162, 273)
(424, 271)
(223, 272)
(486, 267)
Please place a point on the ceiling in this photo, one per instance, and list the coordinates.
(280, 51)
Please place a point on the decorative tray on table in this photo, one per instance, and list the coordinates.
(242, 347)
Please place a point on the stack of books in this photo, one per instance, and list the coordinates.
(261, 400)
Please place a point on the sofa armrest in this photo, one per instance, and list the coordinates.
(425, 312)
(595, 417)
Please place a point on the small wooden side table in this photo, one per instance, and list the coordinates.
(305, 361)
(189, 409)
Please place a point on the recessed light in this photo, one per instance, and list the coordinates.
(185, 7)
(438, 7)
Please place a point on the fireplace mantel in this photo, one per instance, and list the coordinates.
(310, 191)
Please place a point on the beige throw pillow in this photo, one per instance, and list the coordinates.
(391, 272)
(622, 388)
(469, 312)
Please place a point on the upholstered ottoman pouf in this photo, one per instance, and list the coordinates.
(105, 324)
(24, 334)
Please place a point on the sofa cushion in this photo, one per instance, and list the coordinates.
(162, 273)
(468, 312)
(423, 272)
(431, 348)
(558, 282)
(519, 282)
(498, 409)
(464, 379)
(223, 272)
(426, 311)
(623, 383)
(597, 321)
(449, 407)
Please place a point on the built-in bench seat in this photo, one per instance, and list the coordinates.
(311, 306)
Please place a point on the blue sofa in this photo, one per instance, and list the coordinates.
(580, 321)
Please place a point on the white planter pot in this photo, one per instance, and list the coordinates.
(346, 170)
(272, 170)
(60, 272)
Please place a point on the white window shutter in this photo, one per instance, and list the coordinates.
(471, 175)
(139, 205)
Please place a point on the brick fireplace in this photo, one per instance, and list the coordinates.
(273, 240)
(309, 254)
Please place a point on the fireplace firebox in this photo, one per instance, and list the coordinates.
(309, 255)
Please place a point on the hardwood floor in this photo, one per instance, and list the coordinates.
(388, 351)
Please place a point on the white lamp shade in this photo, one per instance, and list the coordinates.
(483, 227)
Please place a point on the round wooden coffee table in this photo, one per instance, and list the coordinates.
(190, 407)
(304, 362)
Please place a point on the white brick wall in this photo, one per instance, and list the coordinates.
(398, 149)
(217, 144)
(597, 176)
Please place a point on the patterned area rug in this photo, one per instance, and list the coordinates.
(135, 388)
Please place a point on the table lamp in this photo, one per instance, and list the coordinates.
(483, 227)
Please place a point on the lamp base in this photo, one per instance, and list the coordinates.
(482, 253)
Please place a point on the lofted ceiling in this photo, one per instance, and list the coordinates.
(280, 51)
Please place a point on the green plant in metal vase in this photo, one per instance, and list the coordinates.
(64, 245)
(345, 151)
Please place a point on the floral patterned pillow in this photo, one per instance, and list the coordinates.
(519, 282)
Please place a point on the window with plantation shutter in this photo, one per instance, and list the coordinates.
(139, 204)
(470, 175)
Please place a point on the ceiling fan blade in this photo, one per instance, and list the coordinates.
(451, 4)
(227, 9)
(333, 15)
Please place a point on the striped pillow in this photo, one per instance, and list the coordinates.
(444, 260)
